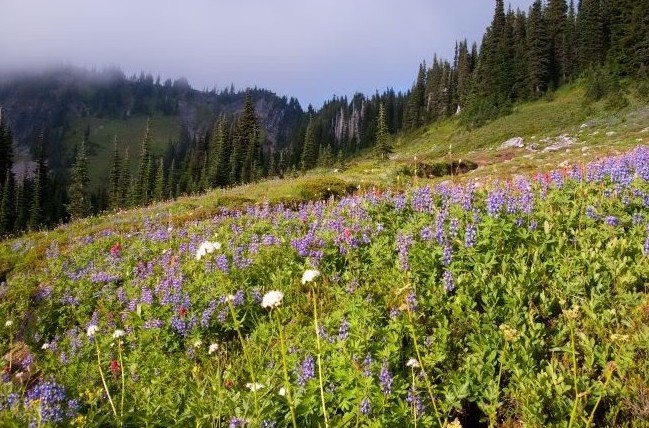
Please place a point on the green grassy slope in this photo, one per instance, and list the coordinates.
(129, 133)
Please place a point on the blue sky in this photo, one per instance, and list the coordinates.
(310, 49)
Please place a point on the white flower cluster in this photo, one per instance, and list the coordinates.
(272, 299)
(206, 248)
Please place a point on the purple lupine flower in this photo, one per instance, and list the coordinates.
(394, 312)
(415, 400)
(453, 228)
(236, 422)
(470, 235)
(365, 407)
(367, 365)
(426, 233)
(637, 218)
(519, 222)
(256, 295)
(207, 313)
(533, 225)
(495, 202)
(591, 213)
(50, 398)
(404, 242)
(440, 233)
(611, 220)
(385, 379)
(449, 284)
(153, 323)
(343, 330)
(306, 371)
(447, 254)
(646, 244)
(411, 300)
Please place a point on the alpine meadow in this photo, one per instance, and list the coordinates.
(473, 252)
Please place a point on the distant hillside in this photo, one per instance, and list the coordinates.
(71, 103)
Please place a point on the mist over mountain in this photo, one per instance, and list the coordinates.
(56, 100)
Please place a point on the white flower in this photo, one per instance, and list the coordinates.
(45, 346)
(198, 344)
(282, 391)
(213, 348)
(92, 330)
(9, 323)
(272, 299)
(207, 247)
(118, 333)
(309, 275)
(412, 363)
(254, 386)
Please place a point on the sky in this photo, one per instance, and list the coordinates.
(308, 49)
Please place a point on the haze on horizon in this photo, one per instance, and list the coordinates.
(308, 49)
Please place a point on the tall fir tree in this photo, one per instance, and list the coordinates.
(7, 205)
(159, 193)
(590, 34)
(142, 188)
(78, 192)
(126, 183)
(556, 14)
(6, 150)
(538, 49)
(114, 195)
(310, 151)
(38, 207)
(416, 105)
(383, 148)
(223, 154)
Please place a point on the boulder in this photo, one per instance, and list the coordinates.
(513, 143)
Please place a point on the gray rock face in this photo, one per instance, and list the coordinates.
(559, 143)
(513, 143)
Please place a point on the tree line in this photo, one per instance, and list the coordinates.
(522, 56)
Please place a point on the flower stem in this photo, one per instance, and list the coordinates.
(103, 380)
(287, 384)
(246, 356)
(317, 335)
(429, 387)
(573, 413)
(121, 366)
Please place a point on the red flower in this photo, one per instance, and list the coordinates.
(229, 383)
(114, 367)
(182, 311)
(115, 249)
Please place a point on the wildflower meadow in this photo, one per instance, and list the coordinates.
(522, 302)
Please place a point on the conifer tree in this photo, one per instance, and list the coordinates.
(37, 211)
(159, 189)
(6, 151)
(416, 105)
(20, 209)
(6, 205)
(463, 67)
(78, 192)
(590, 40)
(556, 28)
(223, 154)
(125, 183)
(114, 199)
(383, 148)
(310, 151)
(142, 187)
(171, 188)
(538, 49)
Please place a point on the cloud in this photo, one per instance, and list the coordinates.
(305, 48)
